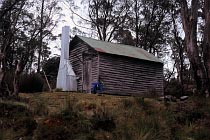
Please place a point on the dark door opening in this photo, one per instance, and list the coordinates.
(87, 76)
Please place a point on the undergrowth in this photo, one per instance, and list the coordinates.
(132, 118)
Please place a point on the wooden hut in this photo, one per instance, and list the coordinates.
(122, 69)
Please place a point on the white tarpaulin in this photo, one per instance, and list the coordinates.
(66, 79)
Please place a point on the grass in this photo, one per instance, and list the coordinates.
(76, 116)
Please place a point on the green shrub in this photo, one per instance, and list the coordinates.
(127, 103)
(143, 128)
(148, 127)
(188, 115)
(58, 89)
(31, 83)
(84, 125)
(16, 120)
(91, 106)
(40, 107)
(51, 67)
(1, 135)
(67, 125)
(76, 124)
(103, 120)
(68, 112)
(55, 132)
(25, 126)
(10, 115)
(173, 88)
(141, 102)
(124, 132)
(201, 134)
(13, 111)
(72, 116)
(69, 115)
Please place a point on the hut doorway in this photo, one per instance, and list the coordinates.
(87, 75)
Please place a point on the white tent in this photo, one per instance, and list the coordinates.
(66, 79)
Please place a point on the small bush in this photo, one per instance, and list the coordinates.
(25, 126)
(40, 107)
(58, 89)
(187, 115)
(69, 115)
(10, 118)
(1, 135)
(141, 102)
(201, 134)
(142, 128)
(148, 128)
(56, 132)
(91, 106)
(31, 83)
(51, 67)
(13, 111)
(127, 103)
(103, 121)
(123, 133)
(67, 125)
(173, 88)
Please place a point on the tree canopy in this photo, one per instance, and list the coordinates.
(20, 36)
(176, 29)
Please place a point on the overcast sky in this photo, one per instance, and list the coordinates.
(66, 20)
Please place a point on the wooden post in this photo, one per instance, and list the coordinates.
(48, 84)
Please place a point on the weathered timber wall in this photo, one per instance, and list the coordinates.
(123, 75)
(77, 50)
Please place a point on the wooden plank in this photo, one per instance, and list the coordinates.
(120, 74)
(77, 49)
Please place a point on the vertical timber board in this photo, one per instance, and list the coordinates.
(77, 49)
(87, 76)
(77, 62)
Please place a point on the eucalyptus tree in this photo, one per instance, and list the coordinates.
(178, 50)
(5, 8)
(46, 10)
(105, 17)
(20, 39)
(195, 15)
(149, 20)
(10, 14)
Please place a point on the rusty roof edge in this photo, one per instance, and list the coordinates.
(157, 60)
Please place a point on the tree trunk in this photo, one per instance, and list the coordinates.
(1, 75)
(16, 79)
(1, 79)
(199, 65)
(181, 69)
(15, 84)
(206, 47)
(41, 37)
(189, 21)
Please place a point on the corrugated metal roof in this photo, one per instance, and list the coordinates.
(119, 49)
